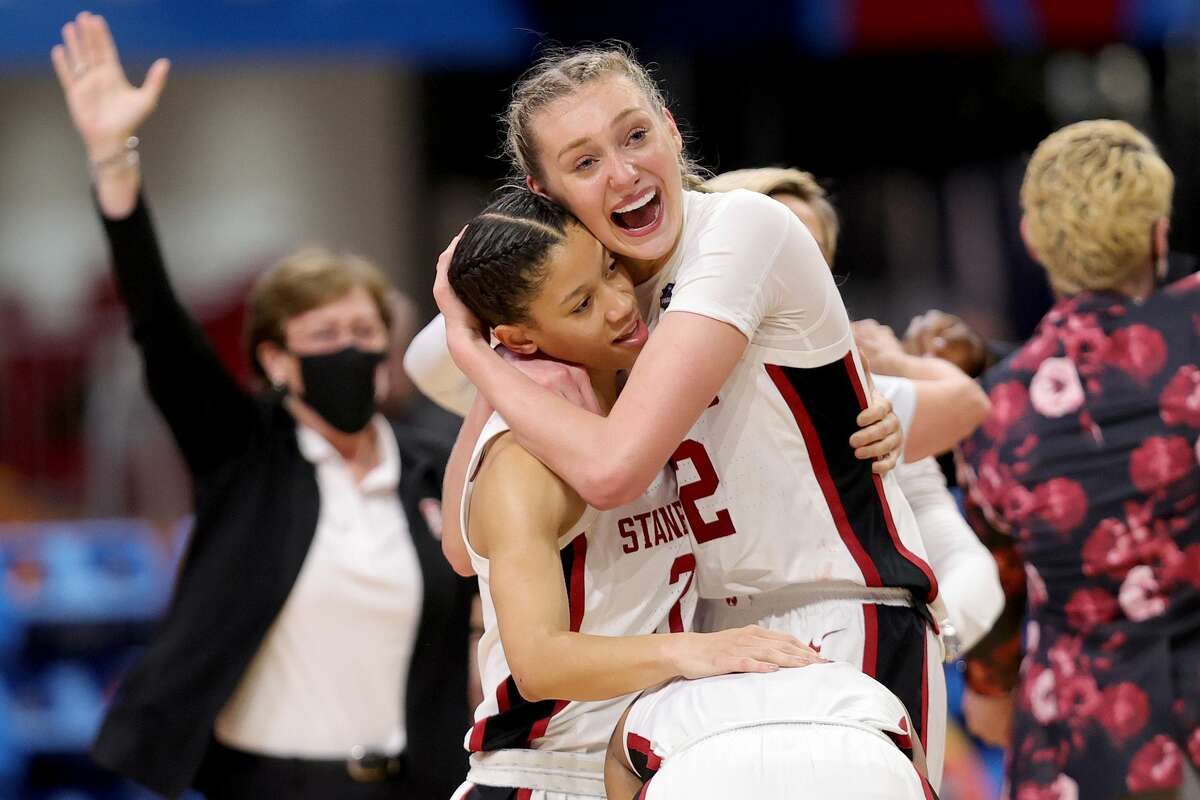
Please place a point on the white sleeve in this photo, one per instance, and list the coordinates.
(756, 267)
(427, 361)
(903, 395)
(966, 572)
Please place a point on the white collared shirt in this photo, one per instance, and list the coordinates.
(332, 671)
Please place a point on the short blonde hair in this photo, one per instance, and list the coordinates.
(785, 180)
(1091, 195)
(560, 72)
(307, 279)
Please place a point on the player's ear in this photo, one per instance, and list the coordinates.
(515, 338)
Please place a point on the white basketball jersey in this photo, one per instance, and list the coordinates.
(628, 572)
(767, 477)
(679, 713)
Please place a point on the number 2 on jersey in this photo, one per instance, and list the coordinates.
(704, 486)
(684, 565)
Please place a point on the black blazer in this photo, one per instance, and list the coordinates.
(256, 505)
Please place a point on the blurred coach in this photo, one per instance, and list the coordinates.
(316, 643)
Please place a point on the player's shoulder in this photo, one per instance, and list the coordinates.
(739, 219)
(509, 464)
(510, 479)
(741, 201)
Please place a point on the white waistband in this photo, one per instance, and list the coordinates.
(808, 594)
(573, 773)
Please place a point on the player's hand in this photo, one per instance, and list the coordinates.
(748, 649)
(462, 327)
(879, 437)
(878, 344)
(566, 380)
(104, 106)
(936, 333)
(988, 717)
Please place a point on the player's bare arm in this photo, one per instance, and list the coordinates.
(950, 404)
(527, 509)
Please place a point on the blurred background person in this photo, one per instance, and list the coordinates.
(316, 642)
(1087, 465)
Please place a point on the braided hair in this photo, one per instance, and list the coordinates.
(499, 263)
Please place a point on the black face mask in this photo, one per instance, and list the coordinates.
(340, 386)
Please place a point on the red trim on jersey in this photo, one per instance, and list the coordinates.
(870, 639)
(539, 728)
(575, 586)
(524, 794)
(925, 693)
(643, 746)
(480, 728)
(503, 701)
(645, 792)
(476, 744)
(820, 466)
(852, 372)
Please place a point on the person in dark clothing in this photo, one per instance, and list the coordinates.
(1085, 484)
(316, 643)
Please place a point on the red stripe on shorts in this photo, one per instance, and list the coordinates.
(870, 639)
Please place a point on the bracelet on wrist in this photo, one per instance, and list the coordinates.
(126, 159)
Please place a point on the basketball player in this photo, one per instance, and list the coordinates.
(570, 594)
(824, 731)
(937, 404)
(750, 384)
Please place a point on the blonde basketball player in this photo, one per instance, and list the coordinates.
(750, 384)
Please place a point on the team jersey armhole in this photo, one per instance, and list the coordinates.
(493, 429)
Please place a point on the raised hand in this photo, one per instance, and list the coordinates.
(461, 324)
(104, 106)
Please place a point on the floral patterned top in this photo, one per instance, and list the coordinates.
(1085, 484)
